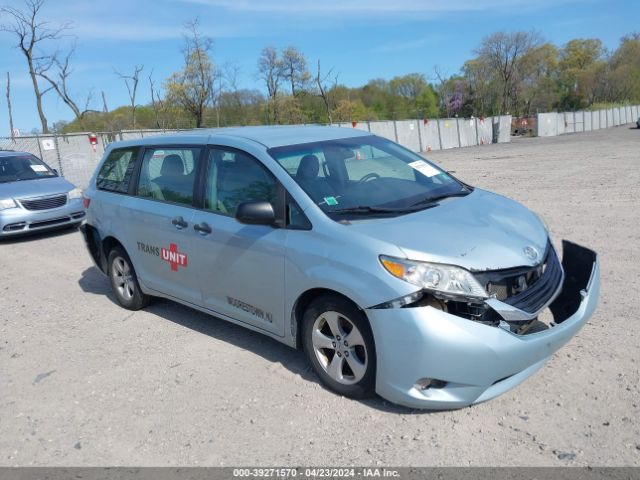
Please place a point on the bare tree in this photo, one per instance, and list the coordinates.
(9, 104)
(131, 81)
(324, 89)
(193, 86)
(270, 70)
(443, 92)
(25, 25)
(60, 84)
(105, 108)
(156, 101)
(504, 52)
(294, 69)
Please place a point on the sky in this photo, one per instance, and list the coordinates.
(358, 39)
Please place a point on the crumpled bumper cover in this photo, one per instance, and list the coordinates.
(477, 362)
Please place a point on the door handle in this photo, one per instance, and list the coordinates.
(202, 228)
(179, 223)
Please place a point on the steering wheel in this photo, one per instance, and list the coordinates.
(369, 176)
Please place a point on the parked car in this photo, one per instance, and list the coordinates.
(638, 122)
(33, 197)
(391, 274)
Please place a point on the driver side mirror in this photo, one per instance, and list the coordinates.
(256, 212)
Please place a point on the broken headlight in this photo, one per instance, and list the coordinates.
(435, 277)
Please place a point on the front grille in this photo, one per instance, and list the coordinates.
(44, 203)
(525, 288)
(534, 298)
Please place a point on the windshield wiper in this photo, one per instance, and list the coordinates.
(366, 209)
(441, 197)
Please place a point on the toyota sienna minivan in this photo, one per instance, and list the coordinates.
(391, 274)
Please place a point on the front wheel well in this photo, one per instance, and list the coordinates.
(303, 302)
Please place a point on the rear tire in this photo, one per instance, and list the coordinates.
(124, 281)
(338, 342)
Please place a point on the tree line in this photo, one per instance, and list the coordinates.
(516, 73)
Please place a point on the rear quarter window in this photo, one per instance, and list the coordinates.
(115, 173)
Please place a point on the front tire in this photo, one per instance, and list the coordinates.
(338, 342)
(124, 281)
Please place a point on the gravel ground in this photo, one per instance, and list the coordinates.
(84, 382)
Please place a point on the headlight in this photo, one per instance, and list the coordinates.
(447, 279)
(75, 193)
(7, 203)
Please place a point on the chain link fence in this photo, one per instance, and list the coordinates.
(72, 155)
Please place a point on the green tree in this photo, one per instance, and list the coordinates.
(294, 69)
(581, 60)
(193, 87)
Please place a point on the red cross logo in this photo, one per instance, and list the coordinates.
(174, 257)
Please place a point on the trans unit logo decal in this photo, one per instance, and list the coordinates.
(174, 257)
(171, 255)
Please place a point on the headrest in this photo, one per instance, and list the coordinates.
(308, 168)
(172, 165)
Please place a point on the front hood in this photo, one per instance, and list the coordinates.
(35, 188)
(482, 231)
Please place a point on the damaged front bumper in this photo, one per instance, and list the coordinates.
(470, 362)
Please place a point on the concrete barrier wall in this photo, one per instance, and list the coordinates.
(407, 134)
(569, 122)
(561, 124)
(502, 129)
(448, 133)
(586, 121)
(467, 132)
(547, 124)
(485, 131)
(603, 119)
(430, 135)
(383, 129)
(552, 124)
(578, 118)
(610, 118)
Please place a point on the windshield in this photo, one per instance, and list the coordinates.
(366, 176)
(14, 168)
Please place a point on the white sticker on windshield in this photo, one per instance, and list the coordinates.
(424, 168)
(39, 168)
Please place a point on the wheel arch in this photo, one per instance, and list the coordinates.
(303, 301)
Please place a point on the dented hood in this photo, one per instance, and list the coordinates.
(482, 231)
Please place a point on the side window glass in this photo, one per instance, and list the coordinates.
(296, 219)
(115, 173)
(168, 174)
(234, 177)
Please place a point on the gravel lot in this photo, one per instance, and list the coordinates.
(84, 382)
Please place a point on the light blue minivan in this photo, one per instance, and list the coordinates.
(391, 274)
(34, 198)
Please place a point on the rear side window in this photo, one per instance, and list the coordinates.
(115, 173)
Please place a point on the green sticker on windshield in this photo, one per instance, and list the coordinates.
(330, 201)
